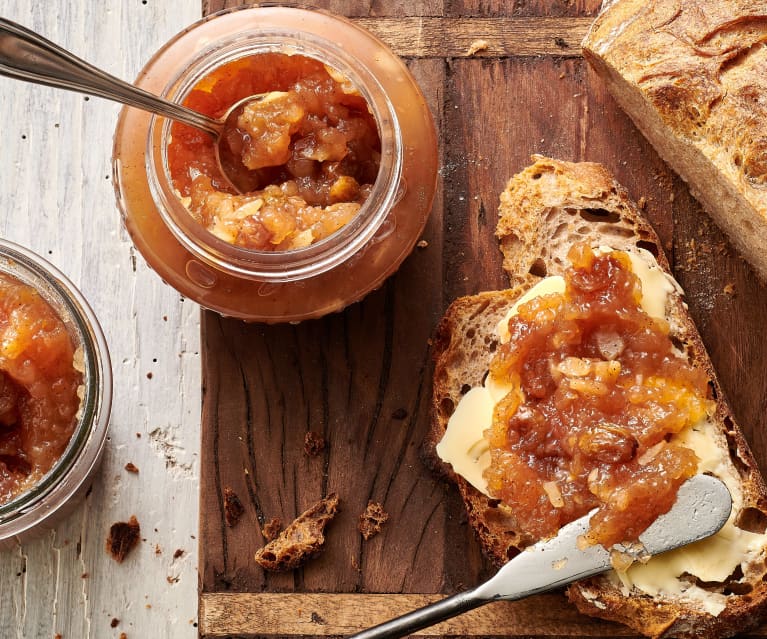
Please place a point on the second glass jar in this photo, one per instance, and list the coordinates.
(290, 285)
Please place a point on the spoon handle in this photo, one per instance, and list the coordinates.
(26, 55)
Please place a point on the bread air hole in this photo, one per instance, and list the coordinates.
(599, 215)
(680, 345)
(538, 268)
(616, 231)
(752, 520)
(560, 231)
(446, 407)
(742, 467)
(733, 585)
(647, 245)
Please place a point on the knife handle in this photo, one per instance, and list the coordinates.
(424, 617)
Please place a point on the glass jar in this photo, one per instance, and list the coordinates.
(294, 284)
(41, 506)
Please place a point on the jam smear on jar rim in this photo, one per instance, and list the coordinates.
(39, 383)
(309, 151)
(598, 393)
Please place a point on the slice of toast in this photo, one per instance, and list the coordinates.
(544, 210)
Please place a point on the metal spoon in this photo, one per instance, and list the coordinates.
(26, 55)
(702, 507)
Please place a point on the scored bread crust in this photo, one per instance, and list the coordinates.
(544, 210)
(691, 75)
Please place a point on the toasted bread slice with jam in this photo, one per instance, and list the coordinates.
(714, 591)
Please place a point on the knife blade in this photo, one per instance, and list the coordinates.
(702, 507)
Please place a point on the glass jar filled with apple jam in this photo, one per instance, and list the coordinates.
(338, 159)
(55, 395)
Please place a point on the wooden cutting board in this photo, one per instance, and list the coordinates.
(362, 378)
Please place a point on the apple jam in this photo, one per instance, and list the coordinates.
(307, 153)
(39, 397)
(597, 393)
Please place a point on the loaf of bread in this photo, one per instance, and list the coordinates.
(545, 209)
(691, 75)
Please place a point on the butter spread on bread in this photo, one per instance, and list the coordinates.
(545, 210)
(691, 75)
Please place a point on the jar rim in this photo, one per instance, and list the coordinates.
(72, 469)
(318, 257)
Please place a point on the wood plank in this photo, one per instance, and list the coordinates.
(521, 8)
(340, 367)
(438, 37)
(425, 37)
(322, 615)
(362, 377)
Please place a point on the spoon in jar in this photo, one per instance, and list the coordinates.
(26, 55)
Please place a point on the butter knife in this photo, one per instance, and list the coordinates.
(702, 507)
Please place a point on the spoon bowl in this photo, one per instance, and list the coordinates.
(26, 55)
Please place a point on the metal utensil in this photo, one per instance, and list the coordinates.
(26, 55)
(702, 507)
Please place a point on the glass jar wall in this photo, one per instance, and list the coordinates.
(65, 477)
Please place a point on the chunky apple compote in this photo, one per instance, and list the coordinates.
(597, 392)
(39, 383)
(307, 153)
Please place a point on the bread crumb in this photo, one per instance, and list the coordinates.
(114, 623)
(131, 468)
(355, 564)
(123, 537)
(272, 528)
(172, 580)
(642, 203)
(372, 519)
(233, 508)
(422, 244)
(85, 575)
(561, 42)
(729, 288)
(123, 635)
(157, 549)
(179, 552)
(314, 444)
(303, 539)
(477, 46)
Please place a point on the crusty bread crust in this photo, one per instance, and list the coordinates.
(544, 210)
(691, 75)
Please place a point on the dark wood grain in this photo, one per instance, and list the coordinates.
(523, 7)
(361, 378)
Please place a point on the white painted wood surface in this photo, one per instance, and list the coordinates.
(56, 198)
